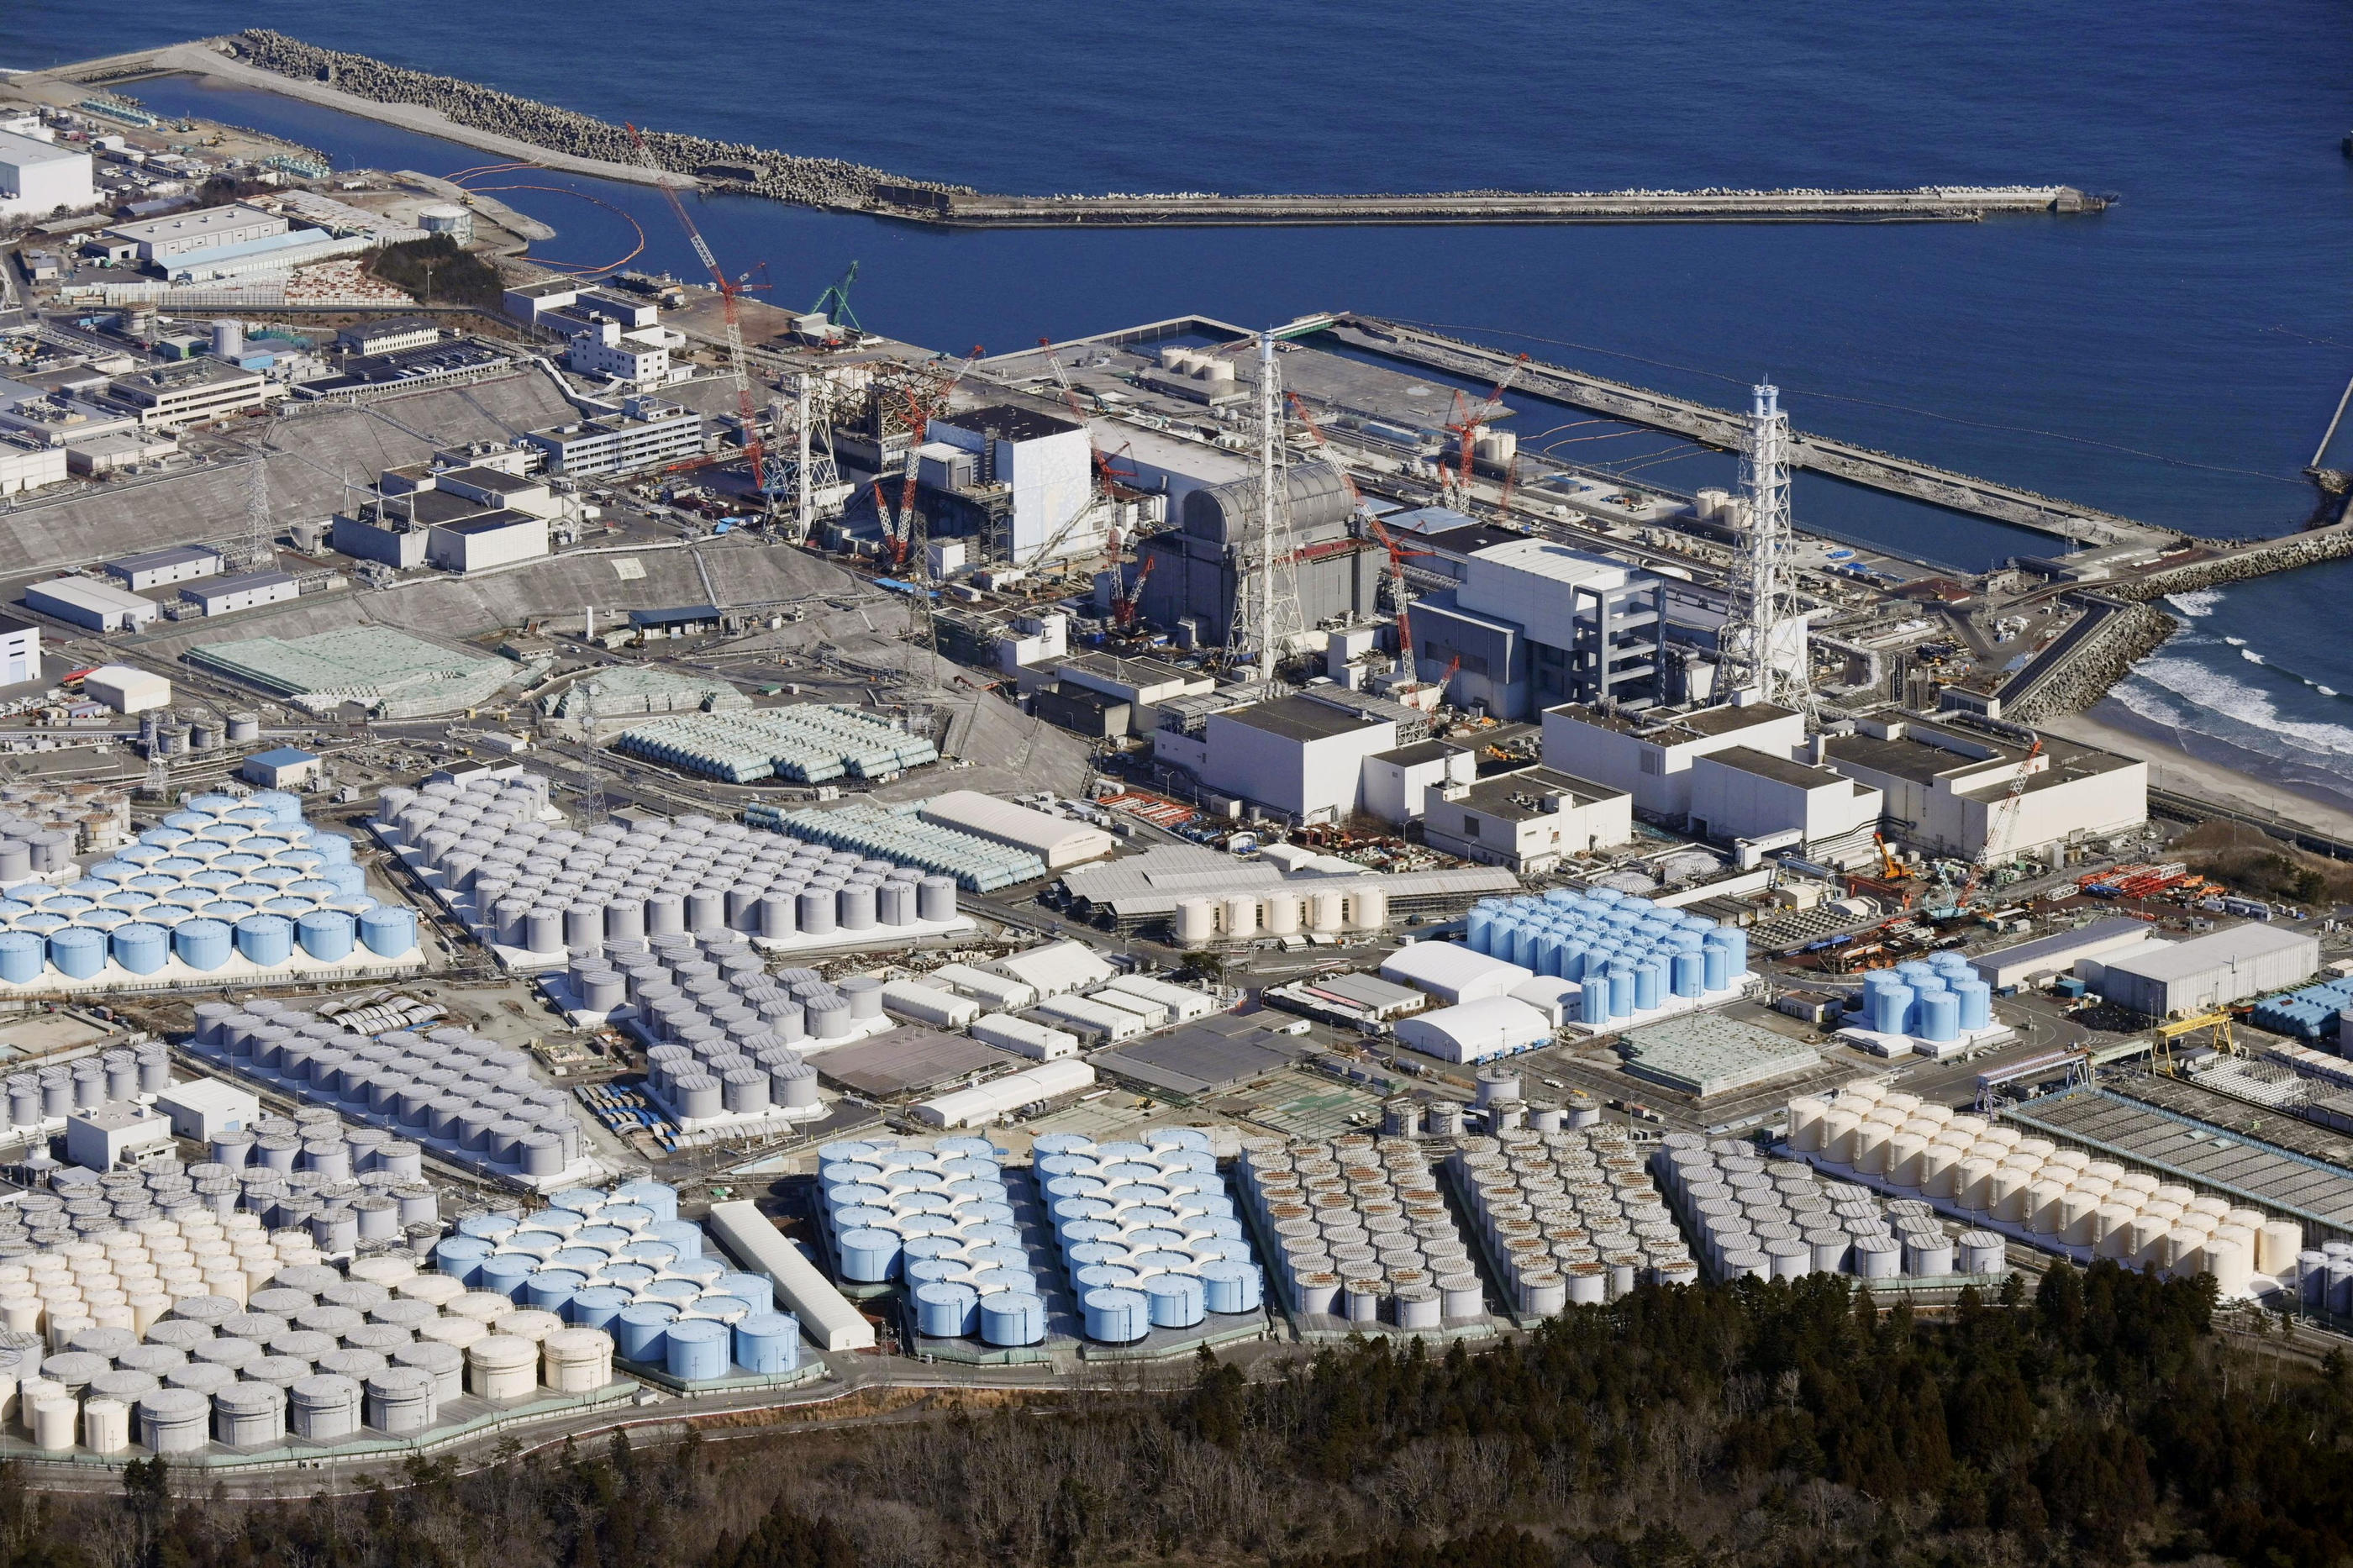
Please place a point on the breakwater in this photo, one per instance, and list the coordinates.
(503, 121)
(2123, 635)
(2286, 554)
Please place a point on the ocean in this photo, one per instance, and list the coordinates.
(2174, 359)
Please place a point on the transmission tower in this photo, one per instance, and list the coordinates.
(1266, 590)
(1763, 646)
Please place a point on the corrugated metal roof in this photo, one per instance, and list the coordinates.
(2217, 950)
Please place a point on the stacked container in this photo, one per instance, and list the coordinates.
(896, 833)
(1630, 956)
(2063, 1200)
(1360, 1231)
(1570, 1217)
(940, 1218)
(1936, 1001)
(46, 1095)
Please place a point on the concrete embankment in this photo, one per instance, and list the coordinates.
(1927, 205)
(2089, 664)
(2286, 554)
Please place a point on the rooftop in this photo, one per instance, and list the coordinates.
(23, 149)
(430, 507)
(1009, 422)
(157, 560)
(1780, 770)
(1213, 1054)
(1421, 751)
(240, 582)
(1669, 729)
(1559, 562)
(1520, 796)
(493, 522)
(284, 757)
(494, 479)
(1298, 719)
(175, 225)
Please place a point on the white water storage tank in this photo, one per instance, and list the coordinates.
(1371, 909)
(1240, 917)
(175, 1421)
(1326, 911)
(1282, 914)
(1196, 920)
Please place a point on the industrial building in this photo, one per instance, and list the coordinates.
(1397, 783)
(2208, 971)
(86, 602)
(2007, 968)
(1534, 624)
(1475, 1031)
(1526, 819)
(1759, 802)
(1650, 756)
(1298, 757)
(278, 253)
(1191, 572)
(491, 539)
(167, 238)
(1949, 790)
(174, 396)
(1706, 1054)
(20, 651)
(648, 431)
(1136, 685)
(1238, 898)
(162, 568)
(287, 767)
(1045, 466)
(38, 178)
(389, 337)
(240, 591)
(1056, 840)
(126, 690)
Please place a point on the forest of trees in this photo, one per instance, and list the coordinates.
(2100, 1420)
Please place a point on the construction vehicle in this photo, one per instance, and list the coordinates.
(767, 478)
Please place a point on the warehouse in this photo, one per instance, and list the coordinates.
(1451, 972)
(1055, 968)
(126, 690)
(162, 568)
(494, 539)
(1528, 819)
(286, 767)
(1475, 1031)
(389, 337)
(1707, 1053)
(38, 177)
(1056, 840)
(908, 1060)
(86, 602)
(2209, 972)
(1298, 756)
(992, 1102)
(2007, 968)
(243, 590)
(1214, 1056)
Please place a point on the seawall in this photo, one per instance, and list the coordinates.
(2094, 664)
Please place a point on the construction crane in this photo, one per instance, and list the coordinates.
(834, 303)
(768, 483)
(1400, 591)
(2161, 1047)
(1124, 601)
(1999, 824)
(1469, 422)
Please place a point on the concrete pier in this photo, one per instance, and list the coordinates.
(1726, 430)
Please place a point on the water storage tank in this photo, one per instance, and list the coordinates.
(141, 949)
(201, 943)
(814, 910)
(22, 956)
(388, 930)
(1196, 920)
(1371, 909)
(175, 1421)
(935, 898)
(265, 939)
(770, 1343)
(945, 1310)
(1326, 911)
(698, 1349)
(1115, 1316)
(1239, 916)
(325, 934)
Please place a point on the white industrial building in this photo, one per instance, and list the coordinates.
(1001, 992)
(989, 1102)
(1298, 756)
(1650, 755)
(1475, 1031)
(493, 539)
(98, 1138)
(389, 337)
(20, 651)
(1760, 802)
(1048, 464)
(174, 396)
(1397, 783)
(2207, 972)
(1452, 973)
(30, 461)
(1024, 1036)
(2007, 968)
(1534, 623)
(240, 591)
(1525, 820)
(648, 431)
(126, 690)
(175, 235)
(628, 357)
(162, 568)
(86, 602)
(205, 1108)
(1141, 683)
(277, 254)
(1948, 789)
(38, 177)
(1055, 969)
(1056, 840)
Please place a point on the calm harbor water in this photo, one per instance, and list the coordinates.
(2174, 359)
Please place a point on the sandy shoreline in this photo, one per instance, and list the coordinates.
(2173, 769)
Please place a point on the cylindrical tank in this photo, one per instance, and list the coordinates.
(1369, 909)
(501, 1367)
(698, 1349)
(1115, 1316)
(1326, 911)
(175, 1421)
(201, 943)
(1196, 920)
(325, 934)
(935, 898)
(140, 947)
(1239, 916)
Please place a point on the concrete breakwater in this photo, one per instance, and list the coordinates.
(2284, 554)
(2126, 635)
(359, 80)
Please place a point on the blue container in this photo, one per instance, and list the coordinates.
(461, 1258)
(640, 1332)
(1690, 975)
(141, 949)
(1012, 1317)
(488, 1226)
(334, 845)
(506, 1273)
(698, 1349)
(768, 1342)
(597, 1307)
(1173, 1300)
(946, 1311)
(1975, 1003)
(726, 1308)
(1940, 1017)
(349, 881)
(201, 943)
(1647, 977)
(1576, 960)
(1479, 934)
(754, 1287)
(1621, 990)
(266, 939)
(388, 930)
(22, 956)
(869, 1255)
(1230, 1287)
(1891, 1006)
(325, 934)
(1116, 1317)
(549, 1289)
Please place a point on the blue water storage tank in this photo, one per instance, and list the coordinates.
(1890, 1006)
(1230, 1286)
(1736, 945)
(1593, 1000)
(141, 949)
(334, 845)
(946, 1311)
(661, 1199)
(488, 1226)
(868, 1256)
(768, 1342)
(640, 1332)
(1940, 1017)
(1975, 1003)
(201, 943)
(1012, 1317)
(1621, 990)
(754, 1287)
(1116, 1317)
(506, 1272)
(1690, 973)
(347, 880)
(22, 955)
(266, 939)
(1173, 1300)
(284, 809)
(325, 934)
(1647, 976)
(388, 930)
(597, 1307)
(549, 1289)
(698, 1349)
(461, 1258)
(1575, 960)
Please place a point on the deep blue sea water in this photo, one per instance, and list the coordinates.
(2174, 359)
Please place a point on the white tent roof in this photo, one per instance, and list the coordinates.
(1489, 1027)
(1451, 972)
(1056, 840)
(1055, 968)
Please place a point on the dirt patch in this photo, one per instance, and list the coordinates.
(2250, 861)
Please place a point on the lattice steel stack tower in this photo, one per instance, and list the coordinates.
(1763, 645)
(1266, 593)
